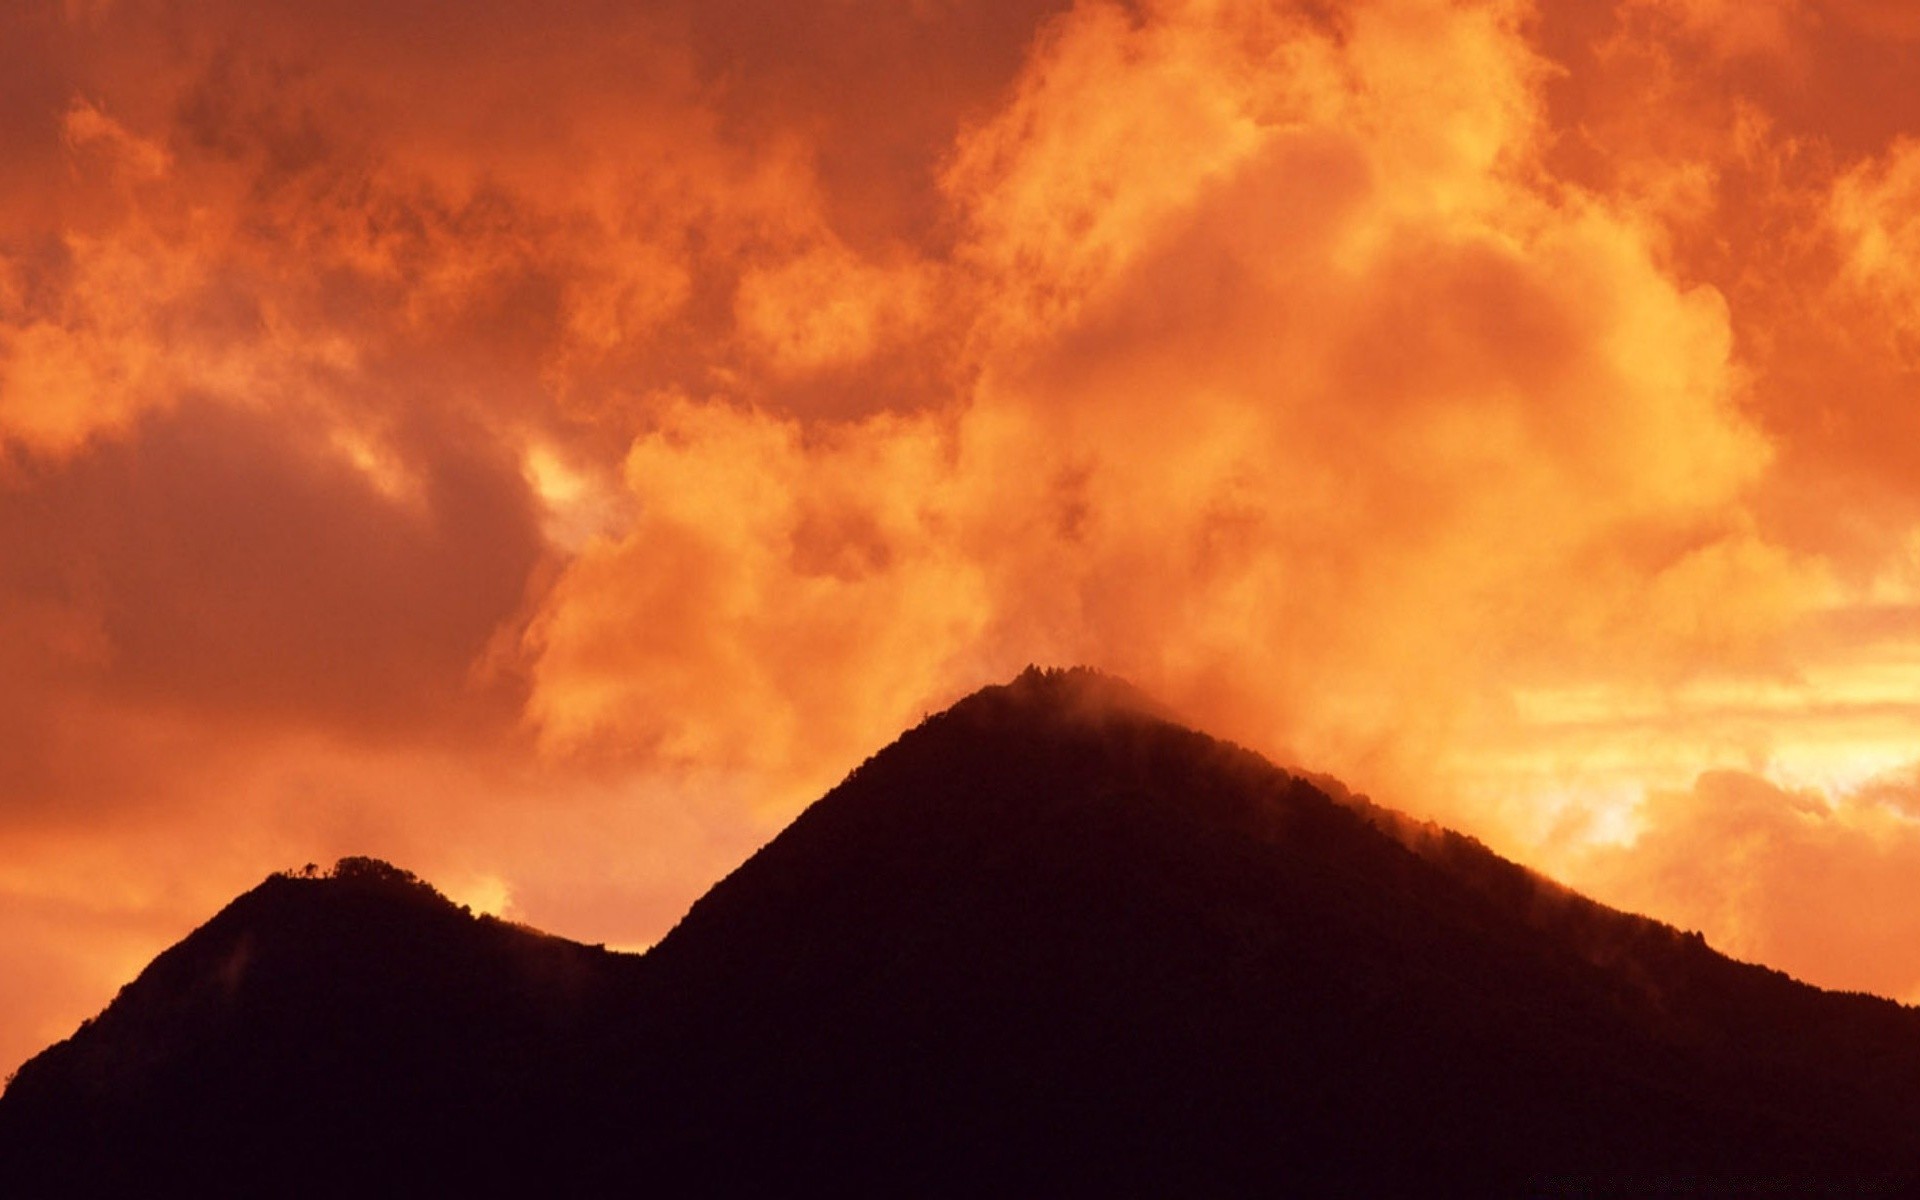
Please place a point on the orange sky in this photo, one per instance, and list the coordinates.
(546, 449)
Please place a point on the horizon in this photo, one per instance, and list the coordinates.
(546, 451)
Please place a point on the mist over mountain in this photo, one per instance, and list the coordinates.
(1048, 942)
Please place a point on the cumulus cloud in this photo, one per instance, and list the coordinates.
(1287, 388)
(776, 601)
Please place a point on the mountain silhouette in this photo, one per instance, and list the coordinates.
(320, 1034)
(1049, 942)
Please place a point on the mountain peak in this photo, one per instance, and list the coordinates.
(363, 877)
(1082, 695)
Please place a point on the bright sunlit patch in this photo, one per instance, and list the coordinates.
(377, 464)
(484, 894)
(1841, 769)
(1548, 805)
(577, 506)
(557, 485)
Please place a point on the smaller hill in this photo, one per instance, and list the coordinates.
(347, 1031)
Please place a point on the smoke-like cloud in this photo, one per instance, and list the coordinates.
(549, 451)
(1813, 883)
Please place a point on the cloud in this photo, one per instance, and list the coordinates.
(230, 566)
(774, 604)
(1325, 406)
(550, 451)
(1820, 886)
(1730, 29)
(1875, 210)
(826, 308)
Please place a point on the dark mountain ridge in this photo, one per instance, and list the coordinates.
(1047, 942)
(357, 1012)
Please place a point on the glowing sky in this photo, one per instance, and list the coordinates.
(546, 445)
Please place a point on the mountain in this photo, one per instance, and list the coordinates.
(346, 1032)
(1048, 942)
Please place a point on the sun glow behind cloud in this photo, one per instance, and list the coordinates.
(548, 454)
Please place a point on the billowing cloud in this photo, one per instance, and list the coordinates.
(773, 605)
(1284, 377)
(547, 452)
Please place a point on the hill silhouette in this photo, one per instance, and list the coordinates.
(1048, 942)
(327, 1032)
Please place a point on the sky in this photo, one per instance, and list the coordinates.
(546, 446)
